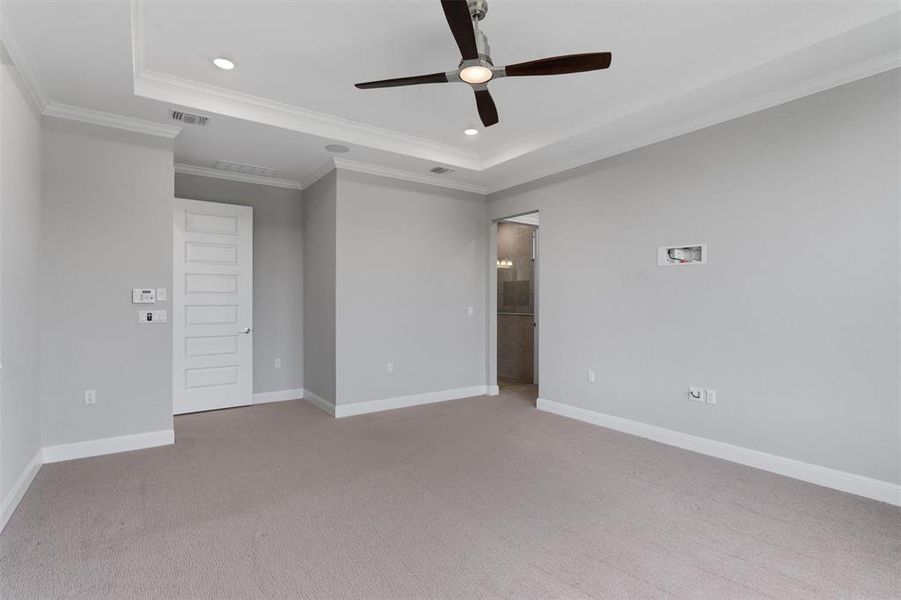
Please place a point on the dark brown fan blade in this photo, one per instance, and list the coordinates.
(561, 65)
(414, 80)
(487, 109)
(460, 22)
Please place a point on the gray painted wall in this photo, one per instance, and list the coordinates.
(277, 273)
(319, 206)
(410, 260)
(107, 228)
(794, 320)
(20, 222)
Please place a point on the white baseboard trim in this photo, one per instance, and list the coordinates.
(278, 396)
(111, 445)
(319, 402)
(14, 495)
(867, 487)
(371, 406)
(492, 390)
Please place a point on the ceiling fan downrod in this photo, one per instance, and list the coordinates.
(478, 9)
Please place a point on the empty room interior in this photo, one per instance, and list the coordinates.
(450, 299)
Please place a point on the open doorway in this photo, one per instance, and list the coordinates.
(517, 303)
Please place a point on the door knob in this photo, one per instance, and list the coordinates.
(246, 330)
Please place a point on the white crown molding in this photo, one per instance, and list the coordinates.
(183, 92)
(105, 119)
(867, 68)
(20, 59)
(138, 43)
(433, 180)
(164, 87)
(839, 20)
(64, 111)
(326, 168)
(185, 169)
(867, 487)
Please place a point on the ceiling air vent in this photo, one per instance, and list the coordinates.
(188, 118)
(236, 167)
(441, 170)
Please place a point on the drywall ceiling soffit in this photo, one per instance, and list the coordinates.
(733, 58)
(808, 28)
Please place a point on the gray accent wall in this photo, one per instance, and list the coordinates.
(107, 228)
(410, 261)
(795, 318)
(319, 230)
(20, 222)
(277, 273)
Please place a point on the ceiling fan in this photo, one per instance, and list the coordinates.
(476, 67)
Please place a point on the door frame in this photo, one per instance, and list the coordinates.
(491, 316)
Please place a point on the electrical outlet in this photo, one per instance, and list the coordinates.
(711, 396)
(278, 363)
(390, 368)
(470, 311)
(591, 376)
(696, 393)
(90, 396)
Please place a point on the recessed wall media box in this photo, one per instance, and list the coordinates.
(143, 296)
(687, 254)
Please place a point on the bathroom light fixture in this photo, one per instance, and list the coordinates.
(223, 63)
(471, 131)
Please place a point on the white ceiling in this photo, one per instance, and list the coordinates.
(677, 66)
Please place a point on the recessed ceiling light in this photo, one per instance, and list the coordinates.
(224, 63)
(476, 74)
(337, 148)
(471, 131)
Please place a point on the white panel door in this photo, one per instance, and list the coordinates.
(212, 306)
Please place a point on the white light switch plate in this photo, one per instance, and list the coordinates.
(162, 294)
(152, 316)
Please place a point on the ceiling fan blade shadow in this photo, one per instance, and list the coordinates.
(561, 65)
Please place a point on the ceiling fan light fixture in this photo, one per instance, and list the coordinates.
(224, 63)
(476, 74)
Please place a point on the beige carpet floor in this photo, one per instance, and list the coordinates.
(476, 498)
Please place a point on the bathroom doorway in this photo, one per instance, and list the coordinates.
(517, 301)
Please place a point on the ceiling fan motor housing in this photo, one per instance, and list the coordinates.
(484, 52)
